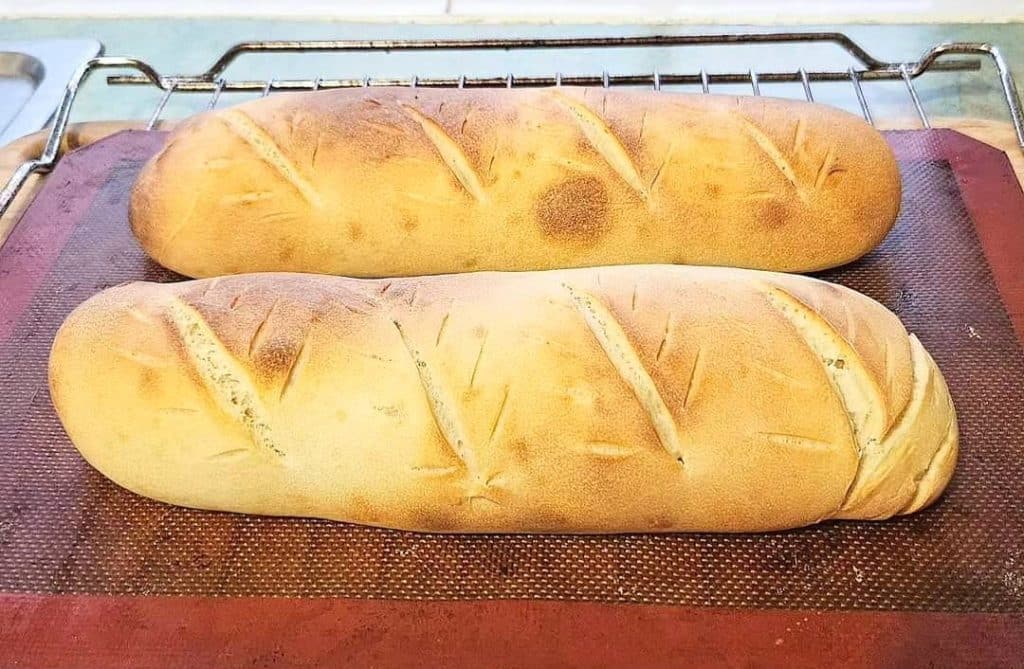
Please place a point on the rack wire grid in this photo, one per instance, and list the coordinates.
(213, 82)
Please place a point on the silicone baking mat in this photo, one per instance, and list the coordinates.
(66, 529)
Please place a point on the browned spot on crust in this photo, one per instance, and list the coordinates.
(409, 224)
(661, 522)
(434, 519)
(275, 357)
(574, 211)
(713, 191)
(365, 509)
(148, 381)
(471, 263)
(519, 449)
(773, 214)
(355, 232)
(548, 520)
(286, 253)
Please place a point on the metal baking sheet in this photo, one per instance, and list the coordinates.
(33, 75)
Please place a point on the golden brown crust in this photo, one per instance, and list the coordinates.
(619, 399)
(396, 181)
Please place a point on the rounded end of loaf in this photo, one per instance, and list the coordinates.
(162, 225)
(125, 374)
(84, 374)
(144, 211)
(911, 466)
(899, 407)
(846, 190)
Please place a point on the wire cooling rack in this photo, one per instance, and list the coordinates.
(867, 68)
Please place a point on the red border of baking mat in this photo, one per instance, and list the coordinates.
(90, 631)
(233, 632)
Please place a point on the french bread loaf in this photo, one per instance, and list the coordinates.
(399, 182)
(624, 399)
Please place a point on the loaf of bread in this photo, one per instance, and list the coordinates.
(401, 182)
(624, 399)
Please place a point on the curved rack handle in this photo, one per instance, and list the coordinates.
(348, 46)
(48, 158)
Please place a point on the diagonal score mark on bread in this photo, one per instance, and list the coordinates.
(799, 134)
(624, 359)
(775, 154)
(846, 373)
(605, 449)
(696, 374)
(932, 481)
(911, 439)
(447, 422)
(268, 151)
(186, 221)
(604, 141)
(298, 363)
(499, 415)
(780, 376)
(451, 153)
(888, 355)
(827, 167)
(257, 336)
(795, 440)
(141, 358)
(222, 376)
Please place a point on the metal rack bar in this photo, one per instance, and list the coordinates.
(866, 69)
(805, 79)
(189, 85)
(913, 96)
(861, 99)
(160, 106)
(216, 95)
